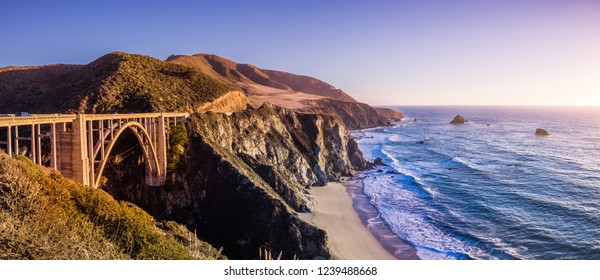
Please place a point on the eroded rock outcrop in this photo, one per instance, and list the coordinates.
(289, 150)
(459, 120)
(389, 114)
(231, 206)
(354, 115)
(541, 132)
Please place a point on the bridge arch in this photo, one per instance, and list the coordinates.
(154, 174)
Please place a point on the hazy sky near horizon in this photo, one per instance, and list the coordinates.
(510, 52)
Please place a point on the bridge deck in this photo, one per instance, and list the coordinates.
(63, 118)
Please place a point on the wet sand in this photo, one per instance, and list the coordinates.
(349, 237)
(370, 219)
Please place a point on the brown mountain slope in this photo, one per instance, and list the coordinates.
(300, 93)
(116, 82)
(248, 76)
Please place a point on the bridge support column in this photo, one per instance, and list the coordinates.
(38, 139)
(17, 140)
(53, 156)
(9, 141)
(157, 132)
(161, 148)
(80, 168)
(32, 144)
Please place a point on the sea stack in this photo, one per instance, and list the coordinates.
(378, 161)
(541, 132)
(459, 120)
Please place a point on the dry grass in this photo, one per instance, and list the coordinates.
(33, 227)
(45, 216)
(267, 255)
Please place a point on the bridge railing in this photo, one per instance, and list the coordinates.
(36, 119)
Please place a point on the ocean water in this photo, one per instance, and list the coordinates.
(489, 189)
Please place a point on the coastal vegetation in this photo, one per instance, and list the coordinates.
(46, 216)
(177, 140)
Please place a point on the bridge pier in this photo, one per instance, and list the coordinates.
(80, 168)
(53, 143)
(9, 141)
(157, 132)
(17, 140)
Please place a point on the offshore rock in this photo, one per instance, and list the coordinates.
(378, 161)
(459, 120)
(541, 132)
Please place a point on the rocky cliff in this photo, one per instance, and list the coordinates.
(243, 177)
(390, 114)
(354, 115)
(289, 150)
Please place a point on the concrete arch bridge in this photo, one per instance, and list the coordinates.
(80, 144)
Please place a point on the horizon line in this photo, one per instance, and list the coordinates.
(487, 105)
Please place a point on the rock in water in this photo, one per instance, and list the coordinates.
(459, 120)
(541, 132)
(378, 161)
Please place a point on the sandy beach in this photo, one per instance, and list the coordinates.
(349, 239)
(371, 219)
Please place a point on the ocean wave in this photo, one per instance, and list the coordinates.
(413, 226)
(396, 138)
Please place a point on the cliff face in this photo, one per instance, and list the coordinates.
(232, 206)
(244, 175)
(290, 151)
(354, 115)
(390, 114)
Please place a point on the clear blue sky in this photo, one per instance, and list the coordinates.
(382, 52)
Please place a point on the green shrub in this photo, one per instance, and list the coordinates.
(177, 141)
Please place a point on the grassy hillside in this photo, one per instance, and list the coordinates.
(45, 216)
(116, 82)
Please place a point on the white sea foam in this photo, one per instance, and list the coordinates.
(410, 225)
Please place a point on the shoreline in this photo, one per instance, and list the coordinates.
(345, 216)
(371, 220)
(348, 239)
